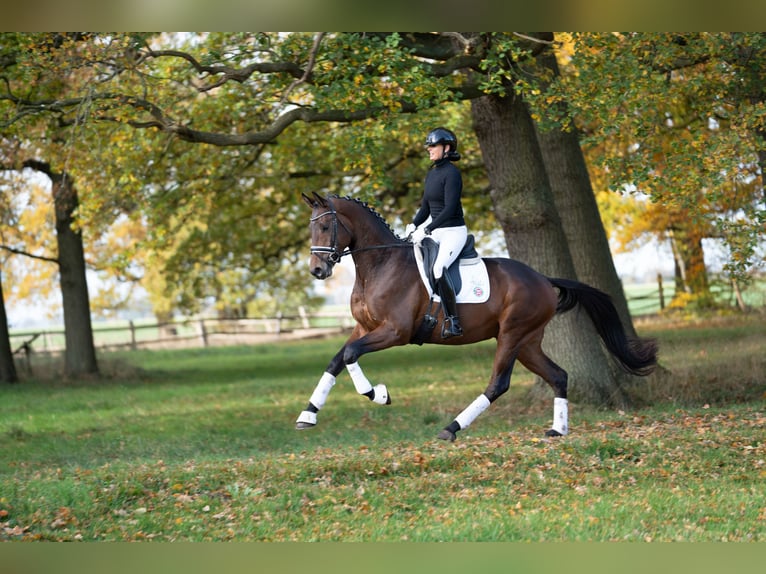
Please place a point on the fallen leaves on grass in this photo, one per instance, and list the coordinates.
(682, 475)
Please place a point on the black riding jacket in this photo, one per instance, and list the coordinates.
(441, 198)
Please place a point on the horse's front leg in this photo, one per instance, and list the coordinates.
(308, 418)
(348, 357)
(382, 337)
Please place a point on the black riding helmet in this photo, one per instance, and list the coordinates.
(439, 136)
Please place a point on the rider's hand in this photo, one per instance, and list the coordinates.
(409, 229)
(418, 235)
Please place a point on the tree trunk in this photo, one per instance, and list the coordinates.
(525, 208)
(7, 367)
(577, 208)
(80, 350)
(689, 258)
(80, 353)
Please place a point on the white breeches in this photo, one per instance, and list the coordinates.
(451, 241)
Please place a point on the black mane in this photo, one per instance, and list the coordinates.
(372, 211)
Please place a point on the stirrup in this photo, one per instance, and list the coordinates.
(454, 330)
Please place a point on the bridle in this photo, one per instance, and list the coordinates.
(334, 255)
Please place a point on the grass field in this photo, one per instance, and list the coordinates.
(199, 445)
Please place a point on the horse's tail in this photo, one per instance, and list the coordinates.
(636, 356)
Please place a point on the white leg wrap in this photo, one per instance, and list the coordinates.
(560, 416)
(381, 394)
(323, 388)
(361, 384)
(472, 411)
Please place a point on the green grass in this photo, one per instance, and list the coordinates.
(200, 445)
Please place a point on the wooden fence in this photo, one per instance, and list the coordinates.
(208, 331)
(189, 332)
(213, 331)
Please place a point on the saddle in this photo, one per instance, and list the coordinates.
(430, 249)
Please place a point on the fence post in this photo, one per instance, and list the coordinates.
(662, 293)
(203, 332)
(304, 317)
(28, 356)
(132, 335)
(738, 294)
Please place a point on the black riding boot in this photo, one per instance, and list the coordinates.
(451, 327)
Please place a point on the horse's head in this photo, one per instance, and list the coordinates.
(329, 235)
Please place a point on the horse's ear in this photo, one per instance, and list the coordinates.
(320, 200)
(310, 202)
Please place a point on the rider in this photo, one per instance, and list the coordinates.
(441, 201)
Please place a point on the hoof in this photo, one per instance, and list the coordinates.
(553, 432)
(447, 435)
(306, 420)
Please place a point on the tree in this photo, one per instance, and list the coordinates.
(80, 353)
(535, 235)
(683, 117)
(80, 357)
(7, 366)
(233, 91)
(574, 197)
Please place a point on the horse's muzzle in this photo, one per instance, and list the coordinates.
(321, 271)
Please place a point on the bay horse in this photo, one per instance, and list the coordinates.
(389, 301)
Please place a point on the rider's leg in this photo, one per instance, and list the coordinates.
(451, 241)
(452, 327)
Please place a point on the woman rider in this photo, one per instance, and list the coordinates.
(442, 202)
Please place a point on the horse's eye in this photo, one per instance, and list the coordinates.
(324, 228)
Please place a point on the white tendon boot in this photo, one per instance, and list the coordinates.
(307, 419)
(363, 386)
(560, 418)
(478, 406)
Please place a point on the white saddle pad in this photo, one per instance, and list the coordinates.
(473, 273)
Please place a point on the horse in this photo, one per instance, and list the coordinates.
(389, 303)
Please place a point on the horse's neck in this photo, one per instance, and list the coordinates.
(377, 253)
(369, 230)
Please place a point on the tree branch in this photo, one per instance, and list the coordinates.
(229, 73)
(450, 51)
(15, 251)
(309, 67)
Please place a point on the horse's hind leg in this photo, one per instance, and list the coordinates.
(499, 383)
(534, 359)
